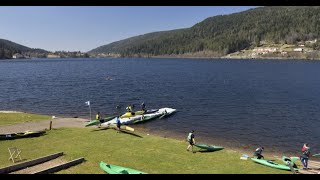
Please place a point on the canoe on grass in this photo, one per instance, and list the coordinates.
(272, 164)
(209, 147)
(24, 134)
(114, 169)
(290, 161)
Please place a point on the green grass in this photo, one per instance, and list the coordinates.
(150, 154)
(15, 118)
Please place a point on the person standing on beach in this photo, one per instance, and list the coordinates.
(129, 108)
(191, 141)
(118, 124)
(258, 152)
(305, 155)
(143, 107)
(98, 117)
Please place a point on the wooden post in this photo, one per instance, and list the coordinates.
(50, 125)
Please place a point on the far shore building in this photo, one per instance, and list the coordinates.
(265, 49)
(53, 56)
(17, 56)
(298, 49)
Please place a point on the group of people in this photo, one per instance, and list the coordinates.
(258, 152)
(303, 158)
(130, 107)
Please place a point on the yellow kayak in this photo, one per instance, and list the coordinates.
(130, 114)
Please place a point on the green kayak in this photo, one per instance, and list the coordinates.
(316, 155)
(272, 164)
(209, 147)
(96, 122)
(287, 160)
(114, 169)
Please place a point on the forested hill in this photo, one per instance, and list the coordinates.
(8, 49)
(224, 34)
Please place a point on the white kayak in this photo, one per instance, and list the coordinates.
(139, 118)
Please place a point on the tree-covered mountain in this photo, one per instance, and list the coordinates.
(224, 34)
(8, 49)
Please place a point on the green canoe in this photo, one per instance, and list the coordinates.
(272, 164)
(96, 122)
(114, 169)
(316, 155)
(287, 160)
(209, 147)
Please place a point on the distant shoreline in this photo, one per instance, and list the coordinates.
(10, 112)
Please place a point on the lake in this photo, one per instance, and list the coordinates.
(236, 103)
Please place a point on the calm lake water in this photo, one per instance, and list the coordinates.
(239, 103)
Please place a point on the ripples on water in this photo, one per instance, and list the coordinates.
(243, 103)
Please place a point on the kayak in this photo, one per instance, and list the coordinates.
(141, 118)
(123, 121)
(272, 164)
(114, 169)
(316, 155)
(166, 112)
(146, 117)
(209, 147)
(287, 160)
(24, 134)
(130, 114)
(97, 122)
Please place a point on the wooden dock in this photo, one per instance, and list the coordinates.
(44, 165)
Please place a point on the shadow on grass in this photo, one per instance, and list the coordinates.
(131, 133)
(122, 131)
(207, 151)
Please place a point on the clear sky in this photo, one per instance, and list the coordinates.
(82, 28)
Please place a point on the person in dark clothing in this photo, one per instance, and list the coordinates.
(118, 124)
(305, 155)
(143, 107)
(129, 108)
(258, 153)
(191, 141)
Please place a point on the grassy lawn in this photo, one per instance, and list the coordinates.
(15, 118)
(150, 154)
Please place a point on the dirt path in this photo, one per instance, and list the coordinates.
(41, 125)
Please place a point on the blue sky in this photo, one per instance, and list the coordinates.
(82, 28)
